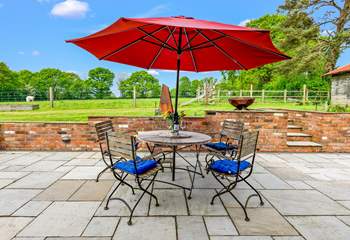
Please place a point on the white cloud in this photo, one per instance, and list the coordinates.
(244, 22)
(20, 52)
(70, 9)
(35, 53)
(155, 11)
(153, 72)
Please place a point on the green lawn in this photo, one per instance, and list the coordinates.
(79, 110)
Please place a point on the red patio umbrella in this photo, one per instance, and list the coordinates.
(181, 43)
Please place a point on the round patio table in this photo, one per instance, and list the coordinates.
(185, 139)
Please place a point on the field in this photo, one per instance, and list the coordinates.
(79, 110)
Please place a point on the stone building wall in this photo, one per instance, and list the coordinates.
(340, 93)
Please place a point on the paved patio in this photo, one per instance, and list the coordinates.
(46, 195)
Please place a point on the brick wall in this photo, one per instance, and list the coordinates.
(272, 126)
(332, 130)
(47, 136)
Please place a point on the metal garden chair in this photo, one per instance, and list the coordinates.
(101, 129)
(235, 170)
(229, 136)
(122, 148)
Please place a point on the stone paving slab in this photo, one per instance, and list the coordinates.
(37, 180)
(117, 208)
(101, 226)
(43, 166)
(92, 191)
(241, 238)
(200, 203)
(5, 182)
(10, 226)
(337, 190)
(220, 226)
(60, 190)
(12, 199)
(191, 227)
(172, 202)
(303, 202)
(263, 221)
(62, 219)
(164, 228)
(57, 193)
(321, 227)
(32, 208)
(83, 172)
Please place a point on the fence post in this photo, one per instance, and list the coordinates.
(51, 97)
(263, 95)
(218, 94)
(134, 97)
(304, 94)
(240, 92)
(251, 90)
(285, 96)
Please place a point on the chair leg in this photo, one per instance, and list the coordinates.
(138, 201)
(145, 190)
(99, 175)
(114, 190)
(124, 182)
(228, 189)
(256, 191)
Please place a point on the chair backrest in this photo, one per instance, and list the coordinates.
(102, 128)
(232, 129)
(121, 145)
(247, 146)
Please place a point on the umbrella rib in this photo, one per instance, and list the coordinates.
(160, 50)
(157, 39)
(200, 45)
(192, 53)
(250, 44)
(157, 44)
(172, 34)
(223, 51)
(129, 44)
(192, 38)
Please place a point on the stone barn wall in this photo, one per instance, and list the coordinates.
(341, 89)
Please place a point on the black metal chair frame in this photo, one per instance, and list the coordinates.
(101, 129)
(230, 132)
(124, 150)
(246, 152)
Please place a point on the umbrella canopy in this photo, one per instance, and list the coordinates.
(181, 43)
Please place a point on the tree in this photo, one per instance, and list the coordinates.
(333, 16)
(298, 40)
(100, 81)
(8, 80)
(184, 87)
(195, 84)
(146, 85)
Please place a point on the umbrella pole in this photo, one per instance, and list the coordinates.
(176, 126)
(176, 114)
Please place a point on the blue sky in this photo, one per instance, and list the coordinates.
(33, 31)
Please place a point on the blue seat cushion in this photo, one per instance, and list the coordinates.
(228, 166)
(142, 166)
(220, 146)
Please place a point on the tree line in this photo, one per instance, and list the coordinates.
(65, 85)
